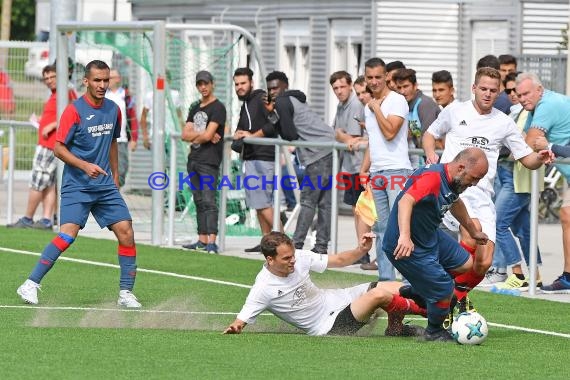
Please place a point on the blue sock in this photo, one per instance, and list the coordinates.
(436, 313)
(128, 264)
(49, 255)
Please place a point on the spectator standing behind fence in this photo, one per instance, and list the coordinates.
(204, 129)
(386, 159)
(423, 110)
(442, 88)
(170, 119)
(7, 103)
(348, 130)
(507, 65)
(258, 160)
(391, 68)
(44, 164)
(86, 143)
(549, 117)
(296, 121)
(119, 95)
(364, 95)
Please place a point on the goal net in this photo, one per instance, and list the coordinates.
(188, 52)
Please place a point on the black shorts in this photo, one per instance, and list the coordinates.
(352, 192)
(345, 323)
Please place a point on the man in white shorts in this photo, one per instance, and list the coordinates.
(475, 123)
(284, 287)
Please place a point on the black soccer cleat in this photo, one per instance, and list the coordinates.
(441, 335)
(408, 292)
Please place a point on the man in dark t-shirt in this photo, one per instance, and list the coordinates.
(204, 129)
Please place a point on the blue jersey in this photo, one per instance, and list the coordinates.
(429, 186)
(88, 131)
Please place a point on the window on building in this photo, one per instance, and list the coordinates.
(489, 37)
(294, 52)
(345, 50)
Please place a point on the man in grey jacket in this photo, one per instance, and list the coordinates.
(294, 120)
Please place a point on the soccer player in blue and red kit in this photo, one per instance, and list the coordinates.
(426, 256)
(86, 143)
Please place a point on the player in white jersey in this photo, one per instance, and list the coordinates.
(476, 123)
(284, 287)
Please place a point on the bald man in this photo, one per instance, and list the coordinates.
(426, 256)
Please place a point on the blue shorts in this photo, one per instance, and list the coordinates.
(107, 207)
(427, 271)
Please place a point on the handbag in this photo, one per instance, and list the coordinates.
(366, 208)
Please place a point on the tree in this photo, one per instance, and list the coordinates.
(23, 20)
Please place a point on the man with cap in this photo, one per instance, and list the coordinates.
(204, 129)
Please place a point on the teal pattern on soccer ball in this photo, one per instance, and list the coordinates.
(474, 330)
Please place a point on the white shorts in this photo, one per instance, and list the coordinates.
(335, 302)
(479, 206)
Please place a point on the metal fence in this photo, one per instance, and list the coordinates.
(21, 96)
(551, 69)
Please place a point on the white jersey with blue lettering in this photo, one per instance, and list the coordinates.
(464, 127)
(296, 299)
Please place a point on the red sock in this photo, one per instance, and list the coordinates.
(465, 282)
(469, 249)
(405, 305)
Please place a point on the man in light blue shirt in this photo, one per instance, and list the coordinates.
(549, 117)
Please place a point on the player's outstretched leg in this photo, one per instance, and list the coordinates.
(28, 291)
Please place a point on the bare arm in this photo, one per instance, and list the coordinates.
(365, 166)
(144, 128)
(236, 327)
(348, 257)
(189, 133)
(405, 245)
(536, 159)
(429, 145)
(342, 136)
(240, 134)
(49, 129)
(532, 136)
(389, 126)
(459, 211)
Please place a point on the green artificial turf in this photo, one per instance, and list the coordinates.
(78, 332)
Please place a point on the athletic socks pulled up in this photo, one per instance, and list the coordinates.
(465, 282)
(49, 255)
(403, 305)
(127, 262)
(436, 314)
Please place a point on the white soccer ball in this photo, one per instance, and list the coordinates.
(469, 328)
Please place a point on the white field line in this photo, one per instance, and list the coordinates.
(121, 310)
(141, 270)
(171, 274)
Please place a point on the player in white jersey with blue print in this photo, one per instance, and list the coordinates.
(284, 287)
(476, 123)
